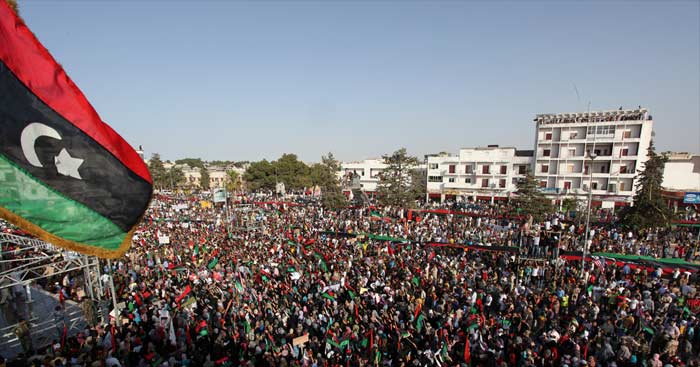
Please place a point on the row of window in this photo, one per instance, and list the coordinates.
(611, 187)
(484, 182)
(373, 173)
(624, 152)
(594, 130)
(468, 169)
(603, 168)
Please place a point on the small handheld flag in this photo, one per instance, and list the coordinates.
(65, 176)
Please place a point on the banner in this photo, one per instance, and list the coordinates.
(219, 195)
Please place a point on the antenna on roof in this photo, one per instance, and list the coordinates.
(578, 96)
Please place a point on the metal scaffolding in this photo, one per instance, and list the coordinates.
(45, 261)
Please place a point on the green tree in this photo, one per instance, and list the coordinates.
(233, 181)
(203, 178)
(419, 184)
(221, 163)
(174, 177)
(192, 162)
(260, 176)
(293, 172)
(531, 200)
(158, 171)
(649, 209)
(394, 186)
(324, 175)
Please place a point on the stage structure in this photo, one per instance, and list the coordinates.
(25, 263)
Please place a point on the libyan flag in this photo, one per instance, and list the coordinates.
(65, 176)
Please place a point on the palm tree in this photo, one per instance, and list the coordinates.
(234, 183)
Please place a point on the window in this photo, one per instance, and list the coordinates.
(547, 136)
(504, 170)
(452, 168)
(611, 188)
(485, 182)
(567, 185)
(543, 184)
(434, 178)
(514, 180)
(604, 169)
(585, 170)
(468, 168)
(467, 180)
(624, 152)
(627, 134)
(601, 130)
(623, 169)
(433, 166)
(622, 186)
(374, 173)
(570, 168)
(502, 183)
(594, 185)
(485, 170)
(573, 135)
(451, 179)
(545, 168)
(522, 170)
(546, 152)
(572, 152)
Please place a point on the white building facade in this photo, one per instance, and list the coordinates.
(368, 171)
(476, 174)
(682, 172)
(618, 141)
(681, 177)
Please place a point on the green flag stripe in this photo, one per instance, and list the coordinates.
(29, 198)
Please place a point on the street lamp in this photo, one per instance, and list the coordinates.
(592, 155)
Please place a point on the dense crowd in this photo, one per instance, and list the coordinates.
(285, 285)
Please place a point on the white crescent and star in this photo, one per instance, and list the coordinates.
(66, 165)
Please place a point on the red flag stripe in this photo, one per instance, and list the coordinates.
(39, 72)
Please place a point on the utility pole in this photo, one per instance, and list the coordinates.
(592, 155)
(114, 293)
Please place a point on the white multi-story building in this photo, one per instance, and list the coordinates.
(490, 173)
(681, 176)
(618, 140)
(368, 171)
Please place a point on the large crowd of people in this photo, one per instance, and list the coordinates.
(273, 284)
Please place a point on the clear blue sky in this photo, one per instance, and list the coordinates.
(246, 81)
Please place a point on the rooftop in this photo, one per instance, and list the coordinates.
(524, 153)
(595, 116)
(677, 156)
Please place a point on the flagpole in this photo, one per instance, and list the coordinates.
(114, 293)
(228, 213)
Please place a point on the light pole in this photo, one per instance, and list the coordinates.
(592, 156)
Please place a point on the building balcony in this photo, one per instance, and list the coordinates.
(456, 185)
(446, 172)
